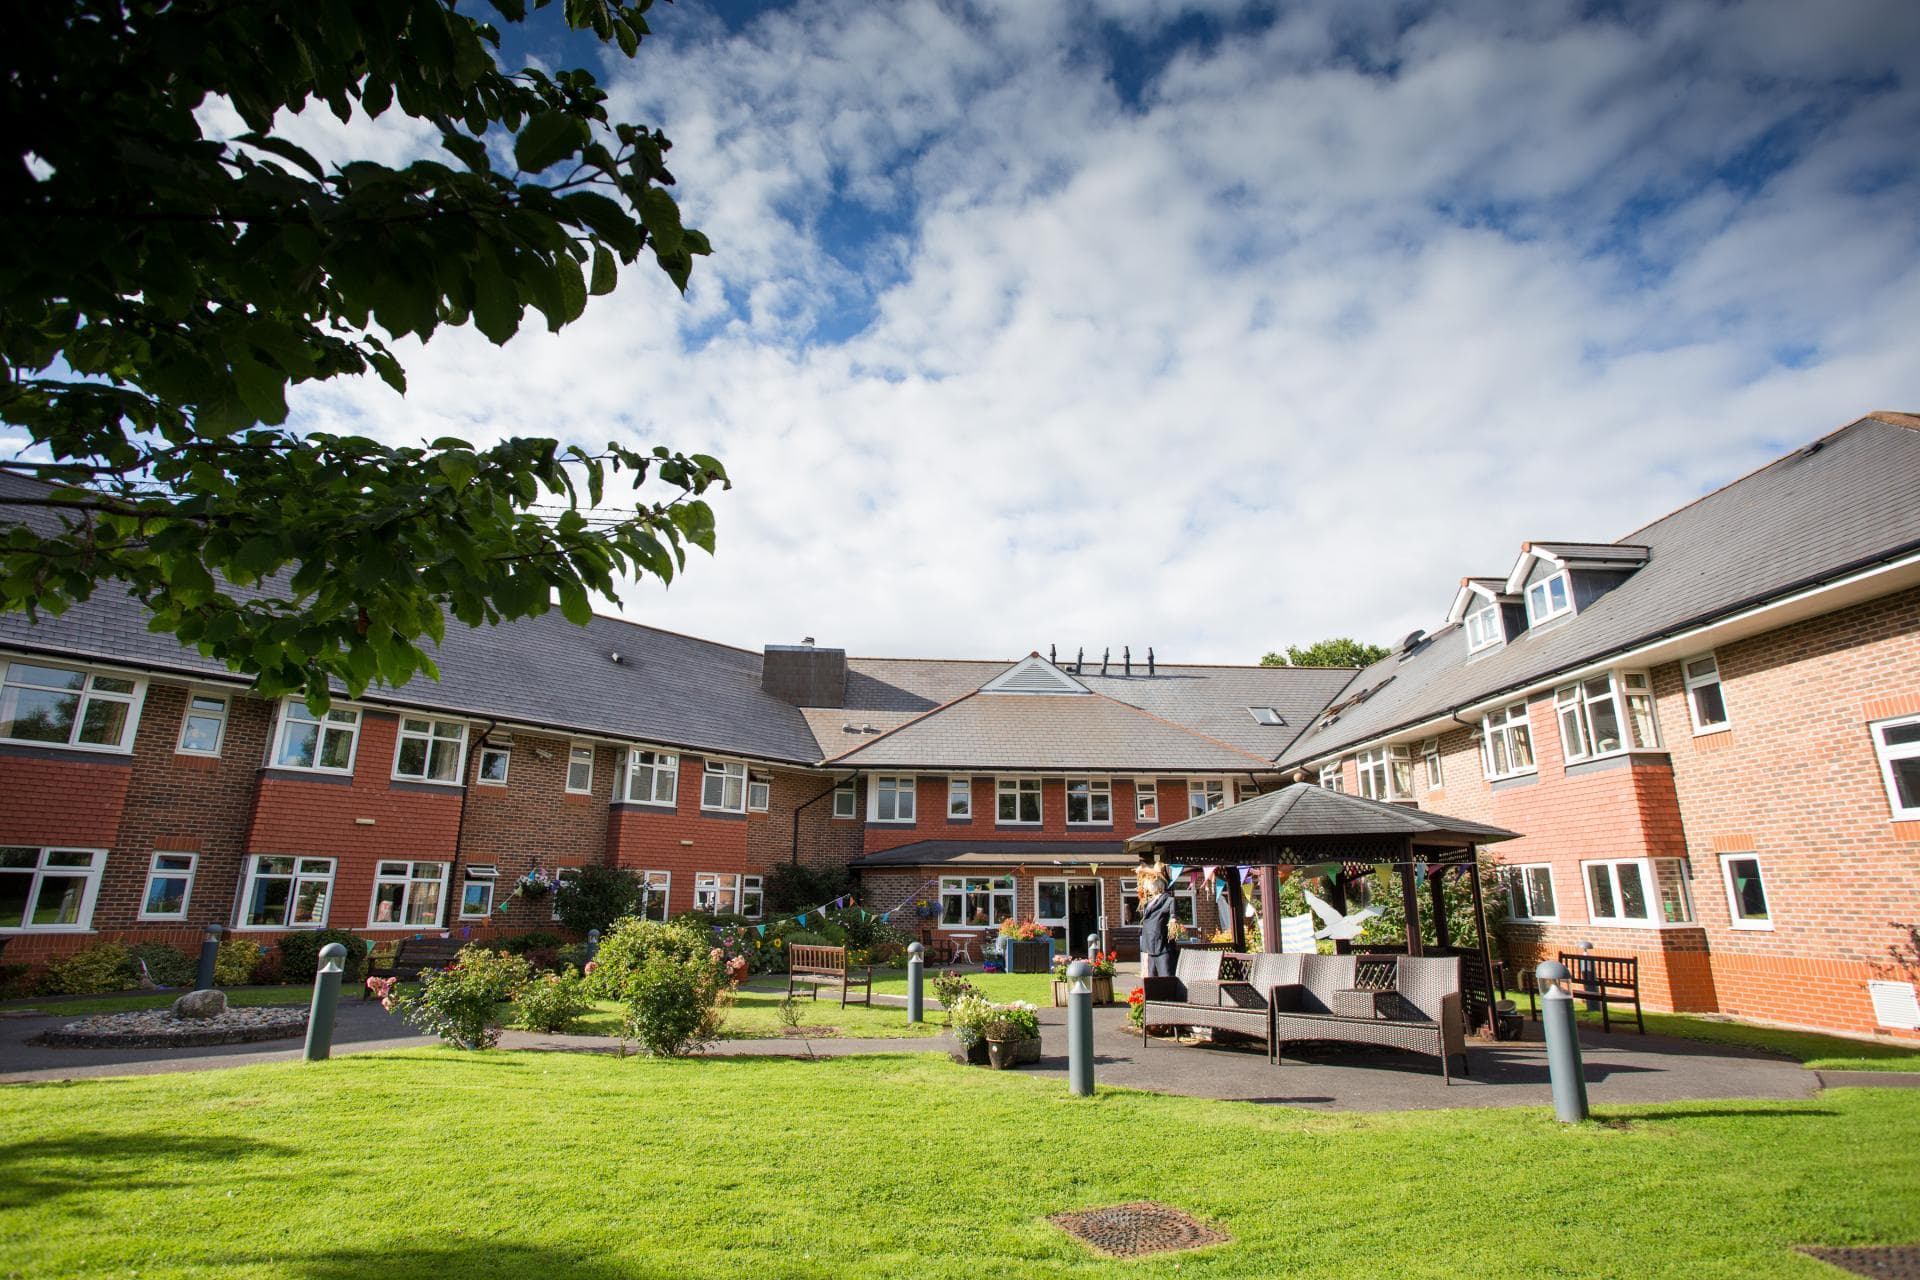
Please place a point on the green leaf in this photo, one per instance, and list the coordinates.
(574, 605)
(605, 274)
(548, 138)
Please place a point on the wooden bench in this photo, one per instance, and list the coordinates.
(1606, 980)
(816, 967)
(407, 959)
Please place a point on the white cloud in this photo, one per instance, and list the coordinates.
(1326, 319)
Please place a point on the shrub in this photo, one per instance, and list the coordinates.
(300, 955)
(630, 942)
(533, 940)
(597, 897)
(236, 962)
(675, 1005)
(167, 966)
(792, 887)
(949, 988)
(106, 966)
(552, 1002)
(13, 981)
(789, 1013)
(457, 1003)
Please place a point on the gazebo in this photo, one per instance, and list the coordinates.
(1310, 830)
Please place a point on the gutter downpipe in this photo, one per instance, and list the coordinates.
(794, 854)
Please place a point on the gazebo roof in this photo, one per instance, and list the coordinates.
(1303, 814)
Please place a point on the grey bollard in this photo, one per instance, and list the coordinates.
(593, 943)
(1093, 945)
(326, 997)
(916, 975)
(209, 958)
(1080, 1028)
(1563, 1042)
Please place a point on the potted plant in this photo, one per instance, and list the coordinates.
(1104, 963)
(1012, 1033)
(970, 1015)
(1026, 946)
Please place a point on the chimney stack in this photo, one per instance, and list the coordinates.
(1126, 659)
(1104, 655)
(805, 675)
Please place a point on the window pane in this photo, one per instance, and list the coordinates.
(36, 716)
(1708, 706)
(476, 899)
(1522, 746)
(59, 900)
(1900, 735)
(423, 904)
(45, 677)
(297, 745)
(310, 902)
(493, 766)
(386, 902)
(14, 887)
(413, 757)
(268, 905)
(1906, 781)
(444, 761)
(1749, 894)
(1604, 719)
(201, 734)
(337, 750)
(1052, 900)
(165, 896)
(1602, 885)
(1633, 894)
(112, 684)
(1540, 890)
(1670, 880)
(103, 722)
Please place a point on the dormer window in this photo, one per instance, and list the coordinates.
(1484, 629)
(1266, 716)
(1548, 598)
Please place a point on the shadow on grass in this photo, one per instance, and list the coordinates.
(46, 1168)
(468, 1260)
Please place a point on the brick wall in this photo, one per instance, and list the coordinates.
(931, 821)
(681, 840)
(532, 821)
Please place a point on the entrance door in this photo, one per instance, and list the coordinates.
(1070, 909)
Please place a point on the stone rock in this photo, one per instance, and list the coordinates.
(200, 1004)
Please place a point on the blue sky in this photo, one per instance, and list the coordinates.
(1211, 326)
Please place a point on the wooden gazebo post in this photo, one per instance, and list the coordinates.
(1480, 928)
(1237, 904)
(1410, 899)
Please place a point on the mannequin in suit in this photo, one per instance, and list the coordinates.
(1156, 913)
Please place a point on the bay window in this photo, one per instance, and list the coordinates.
(204, 726)
(285, 892)
(61, 707)
(1897, 744)
(1089, 801)
(313, 743)
(1591, 719)
(169, 885)
(723, 787)
(407, 893)
(1506, 743)
(890, 800)
(430, 750)
(1019, 801)
(653, 777)
(975, 902)
(49, 890)
(1706, 700)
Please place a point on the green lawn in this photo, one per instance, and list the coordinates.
(126, 1002)
(1828, 1053)
(434, 1163)
(754, 1016)
(1036, 988)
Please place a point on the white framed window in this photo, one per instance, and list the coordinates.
(1897, 743)
(476, 890)
(407, 894)
(723, 787)
(960, 797)
(659, 886)
(653, 777)
(1506, 743)
(1706, 700)
(1548, 598)
(1146, 800)
(62, 707)
(169, 886)
(1643, 725)
(1204, 795)
(1089, 802)
(846, 803)
(494, 763)
(1530, 893)
(580, 769)
(1589, 719)
(1267, 716)
(1386, 773)
(49, 890)
(204, 726)
(430, 750)
(975, 902)
(1484, 629)
(716, 893)
(1186, 905)
(1641, 892)
(1746, 891)
(306, 741)
(1018, 802)
(752, 897)
(1332, 778)
(1430, 752)
(890, 799)
(285, 892)
(759, 793)
(560, 877)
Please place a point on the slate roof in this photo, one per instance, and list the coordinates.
(999, 853)
(1844, 502)
(1022, 731)
(1303, 811)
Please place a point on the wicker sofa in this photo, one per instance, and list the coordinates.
(1420, 1012)
(1197, 995)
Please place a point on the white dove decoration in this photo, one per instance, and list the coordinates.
(1340, 927)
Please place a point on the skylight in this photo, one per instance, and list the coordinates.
(1265, 715)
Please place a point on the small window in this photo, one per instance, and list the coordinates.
(1530, 892)
(752, 897)
(430, 750)
(1430, 751)
(1643, 726)
(1089, 801)
(659, 886)
(1483, 628)
(716, 894)
(653, 777)
(959, 797)
(1331, 777)
(169, 886)
(56, 706)
(1638, 891)
(1018, 800)
(975, 902)
(49, 889)
(493, 766)
(723, 787)
(204, 726)
(407, 893)
(476, 890)
(1897, 743)
(285, 892)
(1548, 598)
(1146, 800)
(1507, 743)
(845, 803)
(890, 800)
(1706, 701)
(307, 741)
(1266, 716)
(1746, 891)
(580, 769)
(759, 794)
(1204, 795)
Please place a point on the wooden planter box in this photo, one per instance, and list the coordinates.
(1027, 957)
(1102, 992)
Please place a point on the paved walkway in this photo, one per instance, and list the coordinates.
(1621, 1068)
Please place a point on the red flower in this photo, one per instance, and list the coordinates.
(1137, 996)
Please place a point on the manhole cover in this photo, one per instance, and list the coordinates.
(1132, 1230)
(1889, 1262)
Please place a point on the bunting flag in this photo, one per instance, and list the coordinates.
(800, 919)
(1207, 874)
(1419, 874)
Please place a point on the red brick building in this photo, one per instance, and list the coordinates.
(1708, 732)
